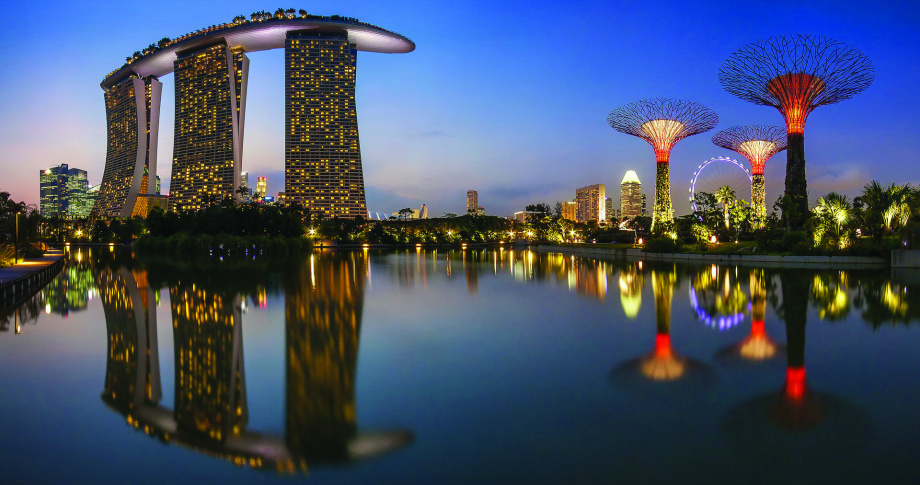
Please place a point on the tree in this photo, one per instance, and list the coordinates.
(557, 209)
(448, 215)
(536, 212)
(405, 213)
(726, 196)
(832, 215)
(898, 212)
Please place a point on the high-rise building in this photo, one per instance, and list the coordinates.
(632, 200)
(210, 111)
(591, 203)
(472, 203)
(132, 111)
(63, 192)
(246, 196)
(322, 165)
(261, 188)
(569, 210)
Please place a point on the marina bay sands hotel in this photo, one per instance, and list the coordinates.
(322, 166)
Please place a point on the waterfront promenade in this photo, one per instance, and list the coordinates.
(24, 279)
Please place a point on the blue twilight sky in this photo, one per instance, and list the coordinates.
(505, 97)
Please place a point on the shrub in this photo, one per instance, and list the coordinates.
(662, 245)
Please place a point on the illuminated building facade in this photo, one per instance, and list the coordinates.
(210, 109)
(132, 110)
(472, 203)
(591, 202)
(569, 210)
(632, 200)
(246, 195)
(63, 192)
(322, 165)
(261, 188)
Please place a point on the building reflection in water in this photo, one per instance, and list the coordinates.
(210, 382)
(631, 281)
(323, 305)
(663, 364)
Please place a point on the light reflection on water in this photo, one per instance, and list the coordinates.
(697, 338)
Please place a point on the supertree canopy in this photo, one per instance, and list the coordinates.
(757, 143)
(795, 75)
(662, 122)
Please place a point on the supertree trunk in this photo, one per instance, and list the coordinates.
(758, 201)
(795, 207)
(664, 212)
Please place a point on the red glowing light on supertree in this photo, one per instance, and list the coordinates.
(757, 143)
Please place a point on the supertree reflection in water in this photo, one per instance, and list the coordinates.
(776, 424)
(757, 346)
(663, 364)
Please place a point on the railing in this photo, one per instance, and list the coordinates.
(19, 289)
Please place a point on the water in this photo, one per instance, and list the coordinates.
(480, 366)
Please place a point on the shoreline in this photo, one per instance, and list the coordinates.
(762, 260)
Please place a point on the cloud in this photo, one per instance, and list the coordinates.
(844, 179)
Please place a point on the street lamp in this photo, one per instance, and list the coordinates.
(16, 242)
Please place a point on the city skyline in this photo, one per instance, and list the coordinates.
(426, 135)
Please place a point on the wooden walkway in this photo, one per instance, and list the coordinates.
(23, 280)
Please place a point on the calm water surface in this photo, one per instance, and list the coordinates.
(480, 366)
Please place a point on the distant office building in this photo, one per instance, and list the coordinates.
(523, 216)
(246, 196)
(261, 188)
(63, 192)
(472, 203)
(608, 207)
(632, 200)
(423, 212)
(322, 165)
(569, 210)
(157, 188)
(210, 111)
(591, 203)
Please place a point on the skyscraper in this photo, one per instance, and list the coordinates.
(210, 109)
(591, 203)
(261, 187)
(472, 203)
(632, 200)
(246, 196)
(132, 111)
(322, 165)
(569, 210)
(63, 192)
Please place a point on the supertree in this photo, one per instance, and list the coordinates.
(757, 143)
(662, 122)
(795, 75)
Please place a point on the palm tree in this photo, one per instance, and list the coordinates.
(726, 196)
(899, 209)
(875, 199)
(832, 214)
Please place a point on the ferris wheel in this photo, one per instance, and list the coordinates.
(716, 173)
